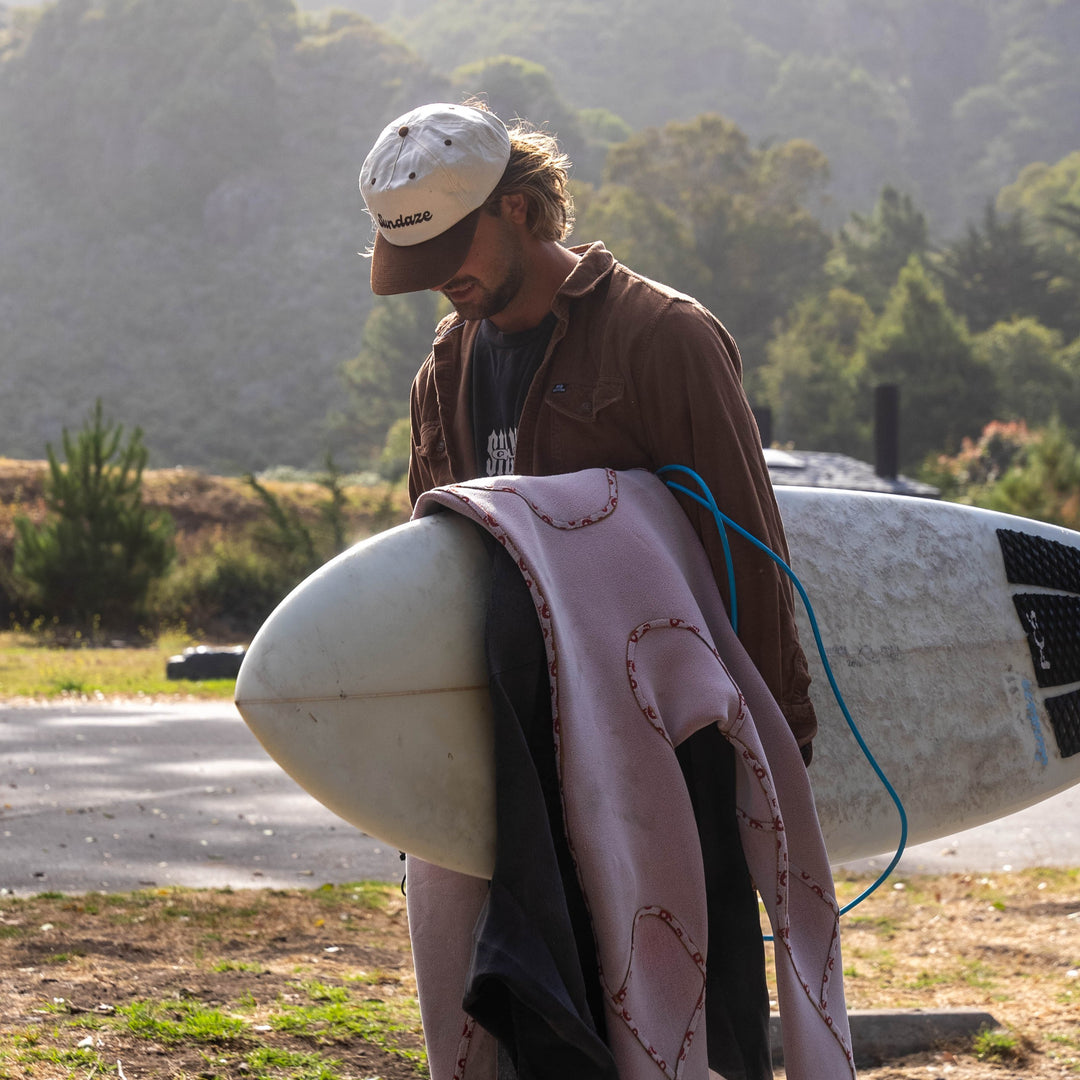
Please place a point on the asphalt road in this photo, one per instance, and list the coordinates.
(112, 797)
(119, 797)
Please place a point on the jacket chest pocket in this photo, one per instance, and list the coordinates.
(583, 401)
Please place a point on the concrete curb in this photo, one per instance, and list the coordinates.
(880, 1035)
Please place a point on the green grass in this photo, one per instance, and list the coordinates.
(885, 926)
(268, 1063)
(183, 1021)
(28, 1054)
(238, 965)
(32, 666)
(998, 1046)
(336, 1015)
(978, 975)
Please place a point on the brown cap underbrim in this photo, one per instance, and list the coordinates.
(398, 269)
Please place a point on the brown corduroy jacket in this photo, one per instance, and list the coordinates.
(636, 375)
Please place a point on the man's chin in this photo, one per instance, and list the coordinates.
(474, 303)
(474, 310)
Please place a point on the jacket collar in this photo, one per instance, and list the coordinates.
(595, 263)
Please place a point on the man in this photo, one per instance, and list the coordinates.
(558, 359)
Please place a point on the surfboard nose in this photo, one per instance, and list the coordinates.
(368, 685)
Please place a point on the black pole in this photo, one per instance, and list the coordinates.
(763, 416)
(887, 431)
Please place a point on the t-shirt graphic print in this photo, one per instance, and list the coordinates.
(501, 452)
(503, 366)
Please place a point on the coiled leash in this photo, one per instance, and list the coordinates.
(704, 497)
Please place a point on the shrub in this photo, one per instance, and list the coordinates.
(227, 586)
(93, 560)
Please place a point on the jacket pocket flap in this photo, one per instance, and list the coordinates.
(583, 401)
(432, 443)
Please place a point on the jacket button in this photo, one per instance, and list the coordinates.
(440, 446)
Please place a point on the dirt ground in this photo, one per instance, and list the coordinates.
(1007, 944)
(325, 976)
(80, 968)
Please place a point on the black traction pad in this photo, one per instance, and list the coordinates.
(1052, 625)
(1034, 560)
(1064, 712)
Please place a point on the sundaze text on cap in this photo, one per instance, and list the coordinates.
(401, 223)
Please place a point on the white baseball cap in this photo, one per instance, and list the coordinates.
(424, 182)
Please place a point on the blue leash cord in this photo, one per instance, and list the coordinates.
(722, 523)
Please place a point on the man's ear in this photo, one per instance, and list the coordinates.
(516, 208)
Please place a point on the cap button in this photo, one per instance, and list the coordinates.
(403, 131)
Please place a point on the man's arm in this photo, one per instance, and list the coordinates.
(696, 414)
(419, 481)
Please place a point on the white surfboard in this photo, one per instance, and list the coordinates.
(953, 634)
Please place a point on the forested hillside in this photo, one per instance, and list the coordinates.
(944, 99)
(181, 223)
(180, 227)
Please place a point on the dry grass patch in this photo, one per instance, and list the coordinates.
(319, 984)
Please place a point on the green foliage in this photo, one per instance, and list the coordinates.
(182, 221)
(921, 346)
(336, 1015)
(870, 251)
(95, 559)
(947, 99)
(396, 338)
(229, 585)
(1039, 192)
(394, 460)
(734, 218)
(332, 509)
(287, 537)
(192, 86)
(271, 1062)
(1035, 377)
(1029, 91)
(998, 272)
(860, 118)
(233, 583)
(180, 185)
(966, 476)
(1044, 483)
(1065, 214)
(604, 127)
(813, 379)
(514, 87)
(1033, 474)
(645, 234)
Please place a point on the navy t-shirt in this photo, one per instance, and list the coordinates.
(503, 366)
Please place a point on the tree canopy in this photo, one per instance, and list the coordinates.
(182, 224)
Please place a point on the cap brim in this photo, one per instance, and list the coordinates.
(398, 269)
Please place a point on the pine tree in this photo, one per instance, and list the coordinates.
(93, 561)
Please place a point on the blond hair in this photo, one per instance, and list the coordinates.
(540, 171)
